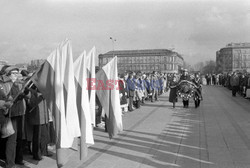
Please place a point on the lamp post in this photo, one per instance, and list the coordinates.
(113, 41)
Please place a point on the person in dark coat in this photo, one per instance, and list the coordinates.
(197, 82)
(185, 76)
(173, 91)
(123, 93)
(38, 118)
(12, 87)
(243, 85)
(234, 82)
(4, 105)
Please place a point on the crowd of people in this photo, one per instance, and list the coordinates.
(137, 87)
(235, 81)
(28, 114)
(32, 122)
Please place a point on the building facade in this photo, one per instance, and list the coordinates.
(162, 60)
(233, 57)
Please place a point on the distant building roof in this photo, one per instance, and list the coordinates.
(148, 52)
(238, 45)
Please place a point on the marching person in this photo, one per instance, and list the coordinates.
(185, 76)
(173, 91)
(197, 81)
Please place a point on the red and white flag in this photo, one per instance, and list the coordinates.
(109, 97)
(83, 106)
(55, 80)
(90, 63)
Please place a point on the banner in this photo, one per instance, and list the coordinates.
(82, 98)
(109, 97)
(55, 80)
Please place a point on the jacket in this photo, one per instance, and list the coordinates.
(130, 87)
(234, 80)
(37, 109)
(9, 92)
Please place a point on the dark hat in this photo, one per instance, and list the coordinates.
(138, 72)
(11, 68)
(130, 72)
(3, 69)
(122, 75)
(24, 72)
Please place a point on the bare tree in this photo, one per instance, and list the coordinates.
(210, 67)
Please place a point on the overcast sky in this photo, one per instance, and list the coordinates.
(31, 29)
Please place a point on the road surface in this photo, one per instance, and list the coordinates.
(215, 135)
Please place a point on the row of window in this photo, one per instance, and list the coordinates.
(242, 51)
(155, 59)
(239, 60)
(241, 64)
(242, 56)
(148, 67)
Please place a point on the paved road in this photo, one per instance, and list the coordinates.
(215, 135)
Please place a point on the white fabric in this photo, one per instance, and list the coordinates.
(90, 63)
(62, 62)
(105, 96)
(80, 70)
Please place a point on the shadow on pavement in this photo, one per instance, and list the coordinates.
(174, 146)
(159, 145)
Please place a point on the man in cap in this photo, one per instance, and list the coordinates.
(12, 87)
(4, 105)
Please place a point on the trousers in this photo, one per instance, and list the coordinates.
(14, 146)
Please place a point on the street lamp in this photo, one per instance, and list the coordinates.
(113, 41)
